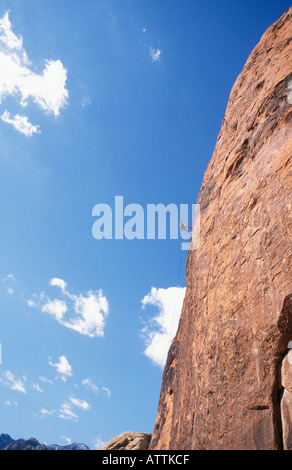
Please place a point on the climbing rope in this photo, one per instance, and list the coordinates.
(178, 282)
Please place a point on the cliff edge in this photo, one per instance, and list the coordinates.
(222, 384)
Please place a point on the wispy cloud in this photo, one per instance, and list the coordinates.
(7, 37)
(107, 391)
(8, 277)
(66, 411)
(37, 387)
(45, 412)
(21, 124)
(90, 385)
(86, 313)
(86, 101)
(10, 403)
(98, 443)
(9, 282)
(82, 404)
(13, 383)
(17, 79)
(155, 54)
(66, 439)
(159, 330)
(45, 380)
(63, 367)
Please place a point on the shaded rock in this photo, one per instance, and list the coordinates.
(7, 443)
(129, 441)
(5, 440)
(28, 444)
(286, 413)
(286, 401)
(286, 372)
(73, 446)
(220, 386)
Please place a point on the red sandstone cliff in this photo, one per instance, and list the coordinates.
(222, 385)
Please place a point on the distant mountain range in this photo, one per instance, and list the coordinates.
(7, 443)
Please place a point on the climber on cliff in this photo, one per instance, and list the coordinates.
(184, 227)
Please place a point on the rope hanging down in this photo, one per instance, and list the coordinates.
(184, 228)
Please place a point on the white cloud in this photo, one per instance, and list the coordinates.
(7, 37)
(90, 385)
(160, 329)
(57, 308)
(86, 101)
(20, 123)
(47, 89)
(98, 443)
(45, 380)
(107, 391)
(87, 313)
(63, 367)
(8, 277)
(10, 403)
(155, 54)
(13, 383)
(66, 410)
(37, 387)
(57, 282)
(67, 439)
(82, 404)
(91, 310)
(45, 412)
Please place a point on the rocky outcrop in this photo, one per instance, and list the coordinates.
(286, 400)
(7, 443)
(129, 441)
(221, 384)
(29, 444)
(73, 446)
(5, 440)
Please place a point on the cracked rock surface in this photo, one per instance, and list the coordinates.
(221, 384)
(129, 441)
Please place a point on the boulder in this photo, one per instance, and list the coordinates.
(129, 441)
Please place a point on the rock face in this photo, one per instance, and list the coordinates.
(222, 385)
(73, 446)
(286, 401)
(29, 444)
(5, 440)
(7, 443)
(129, 441)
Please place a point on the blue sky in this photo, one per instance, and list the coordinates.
(101, 98)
